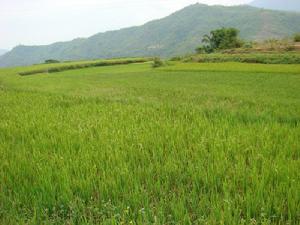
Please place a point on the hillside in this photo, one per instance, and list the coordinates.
(287, 5)
(176, 34)
(3, 51)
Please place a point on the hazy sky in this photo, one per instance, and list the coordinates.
(35, 22)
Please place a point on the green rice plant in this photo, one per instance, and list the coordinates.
(187, 143)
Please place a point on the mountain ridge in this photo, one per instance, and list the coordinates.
(287, 5)
(176, 34)
(3, 51)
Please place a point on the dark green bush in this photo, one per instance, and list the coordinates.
(297, 37)
(157, 62)
(248, 45)
(220, 39)
(49, 61)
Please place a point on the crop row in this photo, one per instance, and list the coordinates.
(60, 68)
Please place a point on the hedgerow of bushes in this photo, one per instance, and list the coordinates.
(84, 65)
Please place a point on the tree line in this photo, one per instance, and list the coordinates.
(226, 38)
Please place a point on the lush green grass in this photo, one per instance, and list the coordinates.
(180, 144)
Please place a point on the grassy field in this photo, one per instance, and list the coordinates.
(128, 144)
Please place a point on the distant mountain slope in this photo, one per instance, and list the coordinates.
(287, 5)
(176, 34)
(2, 51)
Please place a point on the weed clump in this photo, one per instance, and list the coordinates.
(157, 62)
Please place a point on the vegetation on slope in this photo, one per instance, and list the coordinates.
(226, 46)
(220, 39)
(128, 144)
(176, 34)
(265, 58)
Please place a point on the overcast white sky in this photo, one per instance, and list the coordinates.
(35, 22)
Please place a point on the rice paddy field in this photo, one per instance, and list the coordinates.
(187, 143)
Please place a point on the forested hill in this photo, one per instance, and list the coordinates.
(177, 34)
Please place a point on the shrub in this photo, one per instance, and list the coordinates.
(297, 37)
(176, 58)
(200, 50)
(157, 62)
(48, 61)
(248, 45)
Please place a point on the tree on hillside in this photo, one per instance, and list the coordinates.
(224, 38)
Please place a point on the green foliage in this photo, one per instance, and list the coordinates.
(224, 38)
(265, 58)
(81, 65)
(176, 58)
(204, 49)
(297, 37)
(177, 34)
(49, 61)
(189, 143)
(248, 45)
(157, 62)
